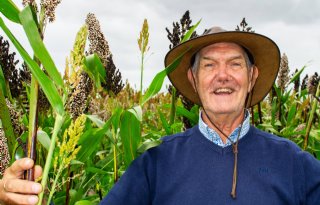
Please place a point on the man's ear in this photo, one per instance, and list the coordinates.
(253, 77)
(191, 78)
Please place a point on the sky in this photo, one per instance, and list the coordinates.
(293, 24)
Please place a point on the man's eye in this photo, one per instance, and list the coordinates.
(236, 64)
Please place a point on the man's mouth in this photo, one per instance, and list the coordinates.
(223, 91)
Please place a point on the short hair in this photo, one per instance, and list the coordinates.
(195, 60)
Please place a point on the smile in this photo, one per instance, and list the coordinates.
(223, 91)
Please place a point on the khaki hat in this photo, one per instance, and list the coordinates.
(263, 50)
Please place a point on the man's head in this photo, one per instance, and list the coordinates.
(222, 75)
(255, 48)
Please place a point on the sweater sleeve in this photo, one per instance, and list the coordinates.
(311, 169)
(134, 185)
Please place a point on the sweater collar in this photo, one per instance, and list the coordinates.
(214, 137)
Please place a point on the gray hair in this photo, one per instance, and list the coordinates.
(196, 63)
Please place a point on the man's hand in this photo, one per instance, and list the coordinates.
(15, 190)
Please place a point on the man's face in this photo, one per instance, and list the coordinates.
(223, 79)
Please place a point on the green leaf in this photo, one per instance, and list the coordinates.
(44, 139)
(130, 132)
(157, 81)
(2, 82)
(291, 114)
(46, 84)
(193, 117)
(96, 170)
(96, 120)
(136, 111)
(95, 69)
(297, 75)
(84, 202)
(10, 10)
(165, 123)
(189, 33)
(31, 30)
(147, 145)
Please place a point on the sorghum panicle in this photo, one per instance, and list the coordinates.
(50, 8)
(283, 76)
(78, 99)
(296, 82)
(99, 45)
(15, 116)
(313, 83)
(304, 82)
(4, 152)
(244, 26)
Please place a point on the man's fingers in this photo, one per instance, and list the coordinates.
(37, 171)
(21, 186)
(18, 167)
(14, 198)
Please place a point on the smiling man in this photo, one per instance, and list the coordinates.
(222, 160)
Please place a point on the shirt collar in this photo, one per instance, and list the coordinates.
(213, 136)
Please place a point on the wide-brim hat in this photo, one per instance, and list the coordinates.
(265, 53)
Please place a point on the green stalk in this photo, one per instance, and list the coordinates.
(313, 110)
(57, 126)
(33, 119)
(173, 105)
(141, 75)
(6, 123)
(53, 190)
(115, 161)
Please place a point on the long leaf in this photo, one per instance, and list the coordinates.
(31, 30)
(297, 75)
(188, 35)
(2, 82)
(157, 81)
(46, 84)
(95, 69)
(130, 132)
(10, 10)
(44, 139)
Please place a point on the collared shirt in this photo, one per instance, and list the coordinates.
(213, 136)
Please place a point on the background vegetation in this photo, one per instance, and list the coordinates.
(86, 126)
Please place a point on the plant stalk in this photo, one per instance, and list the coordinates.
(310, 120)
(173, 105)
(33, 119)
(141, 76)
(57, 125)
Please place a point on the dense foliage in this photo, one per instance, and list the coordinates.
(88, 126)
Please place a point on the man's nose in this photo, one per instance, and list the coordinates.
(222, 74)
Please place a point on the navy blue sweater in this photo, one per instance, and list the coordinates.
(189, 169)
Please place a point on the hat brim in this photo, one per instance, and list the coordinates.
(265, 52)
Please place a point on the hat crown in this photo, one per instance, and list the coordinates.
(215, 29)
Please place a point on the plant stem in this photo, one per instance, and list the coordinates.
(115, 162)
(141, 76)
(173, 105)
(57, 125)
(33, 119)
(53, 190)
(310, 120)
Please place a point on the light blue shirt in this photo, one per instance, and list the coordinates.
(213, 136)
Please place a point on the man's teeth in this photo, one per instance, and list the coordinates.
(223, 90)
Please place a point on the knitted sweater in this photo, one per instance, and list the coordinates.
(188, 169)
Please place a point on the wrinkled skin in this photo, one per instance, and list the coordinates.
(19, 191)
(223, 81)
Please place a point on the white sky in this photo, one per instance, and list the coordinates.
(293, 24)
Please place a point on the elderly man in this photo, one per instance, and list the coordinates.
(222, 160)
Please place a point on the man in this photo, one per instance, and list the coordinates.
(223, 160)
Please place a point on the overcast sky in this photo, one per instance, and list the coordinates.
(293, 24)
